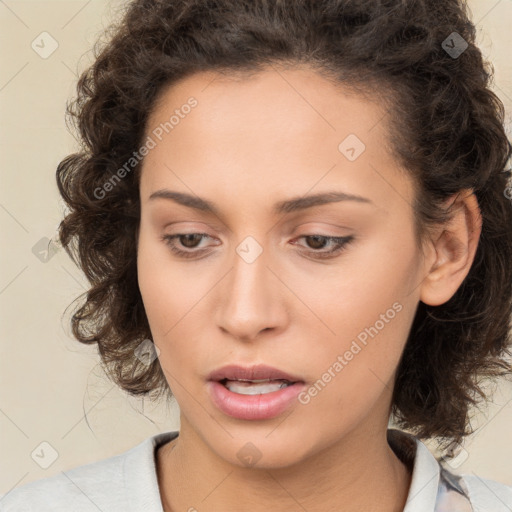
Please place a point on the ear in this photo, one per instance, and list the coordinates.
(453, 250)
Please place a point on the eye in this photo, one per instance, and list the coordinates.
(190, 241)
(336, 243)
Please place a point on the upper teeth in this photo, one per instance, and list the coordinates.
(251, 380)
(255, 387)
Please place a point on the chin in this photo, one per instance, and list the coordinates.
(262, 451)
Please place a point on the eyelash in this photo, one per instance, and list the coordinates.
(341, 243)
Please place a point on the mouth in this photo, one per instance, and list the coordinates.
(255, 387)
(253, 393)
(256, 374)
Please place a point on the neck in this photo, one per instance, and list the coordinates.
(360, 472)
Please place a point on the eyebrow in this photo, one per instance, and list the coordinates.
(288, 206)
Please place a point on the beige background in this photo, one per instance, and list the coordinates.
(52, 390)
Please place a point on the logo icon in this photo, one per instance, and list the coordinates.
(147, 352)
(458, 456)
(44, 455)
(44, 250)
(249, 454)
(351, 147)
(44, 45)
(454, 45)
(249, 249)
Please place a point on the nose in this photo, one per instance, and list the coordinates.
(251, 299)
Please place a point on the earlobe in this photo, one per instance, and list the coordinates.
(454, 250)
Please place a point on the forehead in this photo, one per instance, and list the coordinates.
(279, 129)
(269, 99)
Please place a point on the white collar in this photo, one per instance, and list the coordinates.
(427, 480)
(425, 471)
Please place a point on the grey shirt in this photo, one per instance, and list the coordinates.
(128, 483)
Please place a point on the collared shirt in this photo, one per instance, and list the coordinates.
(434, 488)
(128, 483)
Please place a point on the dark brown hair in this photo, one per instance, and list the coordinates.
(445, 127)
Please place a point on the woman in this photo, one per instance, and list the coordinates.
(292, 215)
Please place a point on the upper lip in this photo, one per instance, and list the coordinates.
(257, 372)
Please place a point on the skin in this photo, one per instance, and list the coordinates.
(249, 143)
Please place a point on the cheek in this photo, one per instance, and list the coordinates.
(153, 285)
(354, 378)
(164, 289)
(366, 310)
(368, 287)
(171, 298)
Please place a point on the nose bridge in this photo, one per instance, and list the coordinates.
(249, 302)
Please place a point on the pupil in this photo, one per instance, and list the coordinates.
(317, 239)
(189, 237)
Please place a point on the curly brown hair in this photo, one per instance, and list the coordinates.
(446, 128)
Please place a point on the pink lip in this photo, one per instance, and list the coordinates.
(260, 371)
(253, 407)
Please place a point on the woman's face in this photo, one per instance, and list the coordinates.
(258, 284)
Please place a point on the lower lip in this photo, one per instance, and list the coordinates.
(253, 407)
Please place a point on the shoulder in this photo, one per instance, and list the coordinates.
(435, 488)
(121, 483)
(92, 486)
(488, 495)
